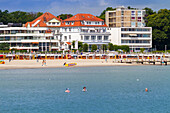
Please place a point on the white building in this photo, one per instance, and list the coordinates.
(127, 27)
(85, 28)
(134, 37)
(42, 34)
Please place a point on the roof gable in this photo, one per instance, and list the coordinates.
(41, 21)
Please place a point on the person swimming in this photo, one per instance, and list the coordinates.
(84, 89)
(67, 90)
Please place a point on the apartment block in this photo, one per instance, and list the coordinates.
(127, 27)
(123, 17)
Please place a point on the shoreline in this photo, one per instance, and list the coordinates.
(33, 64)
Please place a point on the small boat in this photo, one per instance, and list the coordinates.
(70, 64)
(2, 62)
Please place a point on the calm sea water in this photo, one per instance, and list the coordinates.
(117, 89)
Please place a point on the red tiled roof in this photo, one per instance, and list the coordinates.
(87, 17)
(82, 17)
(43, 18)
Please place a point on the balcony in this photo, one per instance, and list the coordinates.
(25, 47)
(27, 34)
(97, 41)
(95, 33)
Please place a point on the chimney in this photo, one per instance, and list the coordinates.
(68, 16)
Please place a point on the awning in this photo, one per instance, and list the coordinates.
(69, 43)
(1, 55)
(35, 42)
(132, 34)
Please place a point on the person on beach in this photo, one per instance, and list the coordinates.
(106, 59)
(64, 64)
(9, 59)
(67, 90)
(84, 89)
(43, 63)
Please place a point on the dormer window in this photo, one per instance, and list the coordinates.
(67, 23)
(53, 23)
(82, 22)
(72, 23)
(58, 23)
(49, 22)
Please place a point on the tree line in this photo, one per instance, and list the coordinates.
(104, 47)
(159, 21)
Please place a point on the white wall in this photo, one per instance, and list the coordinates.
(115, 35)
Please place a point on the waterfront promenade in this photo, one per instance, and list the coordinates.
(21, 64)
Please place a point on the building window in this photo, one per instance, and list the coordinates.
(106, 37)
(99, 37)
(70, 37)
(82, 22)
(65, 29)
(58, 23)
(133, 13)
(133, 24)
(72, 23)
(122, 13)
(53, 23)
(86, 38)
(81, 37)
(65, 38)
(93, 37)
(139, 24)
(133, 18)
(69, 29)
(49, 22)
(139, 13)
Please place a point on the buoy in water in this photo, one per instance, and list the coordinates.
(146, 89)
(84, 89)
(67, 90)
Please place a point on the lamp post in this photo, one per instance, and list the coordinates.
(165, 48)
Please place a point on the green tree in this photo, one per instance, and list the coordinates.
(125, 48)
(142, 50)
(64, 16)
(110, 47)
(104, 47)
(73, 44)
(94, 48)
(4, 46)
(160, 23)
(102, 15)
(80, 44)
(115, 47)
(85, 47)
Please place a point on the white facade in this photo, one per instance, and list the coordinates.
(22, 38)
(89, 35)
(134, 37)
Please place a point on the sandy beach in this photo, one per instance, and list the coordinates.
(23, 64)
(28, 64)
